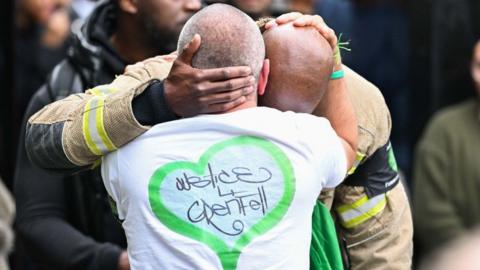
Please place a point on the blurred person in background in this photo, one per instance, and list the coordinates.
(83, 8)
(7, 213)
(446, 173)
(256, 9)
(64, 221)
(41, 41)
(462, 253)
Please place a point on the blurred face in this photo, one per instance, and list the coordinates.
(39, 10)
(163, 20)
(254, 8)
(476, 67)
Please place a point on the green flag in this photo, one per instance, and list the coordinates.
(324, 250)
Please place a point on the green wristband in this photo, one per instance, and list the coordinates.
(337, 74)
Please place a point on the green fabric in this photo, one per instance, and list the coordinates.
(446, 178)
(324, 250)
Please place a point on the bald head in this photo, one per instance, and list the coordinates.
(229, 38)
(301, 62)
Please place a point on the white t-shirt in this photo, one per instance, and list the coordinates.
(229, 191)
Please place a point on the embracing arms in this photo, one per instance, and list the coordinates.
(75, 132)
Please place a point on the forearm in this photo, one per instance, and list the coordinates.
(42, 225)
(75, 132)
(53, 242)
(337, 108)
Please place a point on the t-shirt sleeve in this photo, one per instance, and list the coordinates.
(110, 176)
(325, 147)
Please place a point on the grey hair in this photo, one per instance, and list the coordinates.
(229, 38)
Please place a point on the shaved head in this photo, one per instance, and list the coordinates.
(301, 62)
(229, 38)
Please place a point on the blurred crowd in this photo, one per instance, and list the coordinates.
(423, 55)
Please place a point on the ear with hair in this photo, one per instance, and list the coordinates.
(128, 6)
(263, 77)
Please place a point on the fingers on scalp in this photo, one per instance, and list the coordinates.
(227, 97)
(288, 17)
(222, 107)
(294, 14)
(226, 73)
(199, 75)
(319, 18)
(199, 88)
(247, 90)
(223, 74)
(229, 85)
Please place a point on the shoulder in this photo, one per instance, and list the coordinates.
(307, 120)
(40, 99)
(451, 117)
(447, 124)
(451, 113)
(372, 112)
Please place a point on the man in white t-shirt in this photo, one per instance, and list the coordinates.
(236, 190)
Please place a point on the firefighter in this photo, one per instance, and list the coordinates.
(371, 207)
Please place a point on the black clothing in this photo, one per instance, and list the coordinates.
(33, 62)
(57, 211)
(150, 107)
(65, 221)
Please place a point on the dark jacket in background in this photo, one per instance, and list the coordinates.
(63, 221)
(447, 176)
(33, 62)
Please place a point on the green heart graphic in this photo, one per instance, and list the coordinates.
(228, 255)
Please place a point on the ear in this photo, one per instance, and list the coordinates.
(128, 6)
(263, 78)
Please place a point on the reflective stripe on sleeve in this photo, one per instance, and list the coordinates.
(351, 215)
(358, 159)
(102, 91)
(93, 128)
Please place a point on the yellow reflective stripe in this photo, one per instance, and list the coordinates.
(86, 133)
(358, 159)
(93, 127)
(97, 163)
(355, 205)
(101, 128)
(102, 91)
(360, 211)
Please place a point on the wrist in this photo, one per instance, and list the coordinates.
(337, 57)
(123, 263)
(338, 66)
(337, 74)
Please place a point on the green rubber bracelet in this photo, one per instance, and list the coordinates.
(337, 74)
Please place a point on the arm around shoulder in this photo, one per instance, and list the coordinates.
(76, 131)
(337, 108)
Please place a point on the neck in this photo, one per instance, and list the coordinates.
(130, 43)
(247, 104)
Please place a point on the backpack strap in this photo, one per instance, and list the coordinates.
(63, 81)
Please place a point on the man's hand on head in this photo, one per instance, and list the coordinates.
(190, 91)
(300, 20)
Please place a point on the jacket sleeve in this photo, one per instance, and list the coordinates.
(42, 216)
(76, 131)
(374, 121)
(436, 220)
